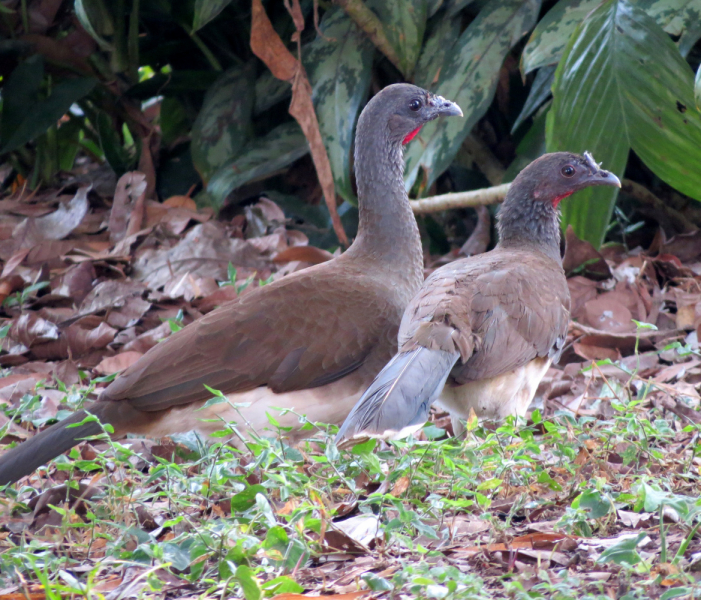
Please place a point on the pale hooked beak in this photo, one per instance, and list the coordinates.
(601, 176)
(444, 107)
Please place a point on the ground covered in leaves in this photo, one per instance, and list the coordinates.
(596, 496)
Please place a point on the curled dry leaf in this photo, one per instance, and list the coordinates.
(267, 45)
(117, 364)
(131, 188)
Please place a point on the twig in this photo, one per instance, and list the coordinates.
(483, 197)
(645, 196)
(371, 25)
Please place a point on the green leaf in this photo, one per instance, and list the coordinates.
(404, 23)
(25, 116)
(469, 78)
(206, 10)
(96, 19)
(339, 64)
(223, 125)
(549, 39)
(622, 83)
(592, 501)
(489, 484)
(436, 51)
(249, 584)
(540, 91)
(676, 593)
(246, 499)
(116, 155)
(263, 156)
(624, 551)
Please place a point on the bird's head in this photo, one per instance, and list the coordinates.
(530, 211)
(405, 108)
(553, 177)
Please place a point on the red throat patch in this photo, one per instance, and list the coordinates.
(559, 199)
(412, 135)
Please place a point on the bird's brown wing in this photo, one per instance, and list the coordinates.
(500, 311)
(305, 330)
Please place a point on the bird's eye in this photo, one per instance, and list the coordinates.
(415, 105)
(567, 170)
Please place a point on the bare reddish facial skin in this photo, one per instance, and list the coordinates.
(412, 135)
(559, 199)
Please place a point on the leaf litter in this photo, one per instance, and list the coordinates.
(597, 495)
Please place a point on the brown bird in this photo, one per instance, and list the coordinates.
(482, 331)
(311, 341)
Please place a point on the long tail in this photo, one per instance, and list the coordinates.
(398, 400)
(44, 446)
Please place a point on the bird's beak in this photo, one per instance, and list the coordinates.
(600, 176)
(443, 107)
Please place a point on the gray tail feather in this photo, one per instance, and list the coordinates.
(400, 396)
(41, 448)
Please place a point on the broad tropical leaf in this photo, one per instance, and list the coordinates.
(540, 91)
(404, 22)
(263, 156)
(339, 63)
(622, 83)
(25, 116)
(469, 78)
(435, 52)
(223, 125)
(206, 10)
(549, 38)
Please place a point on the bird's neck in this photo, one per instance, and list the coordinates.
(387, 231)
(524, 223)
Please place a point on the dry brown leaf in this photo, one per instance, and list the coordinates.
(117, 364)
(130, 188)
(310, 254)
(267, 45)
(481, 235)
(581, 256)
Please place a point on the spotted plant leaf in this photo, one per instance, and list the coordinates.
(549, 38)
(623, 84)
(261, 157)
(404, 23)
(223, 125)
(206, 10)
(469, 77)
(435, 52)
(339, 64)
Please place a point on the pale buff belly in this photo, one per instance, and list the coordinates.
(496, 398)
(330, 403)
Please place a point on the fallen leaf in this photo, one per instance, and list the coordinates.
(267, 45)
(130, 188)
(118, 363)
(309, 254)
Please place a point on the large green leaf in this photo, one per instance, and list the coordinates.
(549, 38)
(206, 10)
(263, 156)
(622, 83)
(404, 23)
(96, 19)
(435, 52)
(540, 91)
(223, 125)
(339, 64)
(469, 77)
(25, 115)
